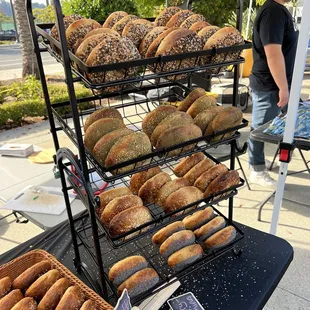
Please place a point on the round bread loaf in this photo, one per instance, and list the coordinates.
(207, 32)
(11, 299)
(100, 128)
(172, 120)
(193, 174)
(54, 294)
(169, 188)
(68, 20)
(100, 31)
(151, 51)
(149, 38)
(152, 119)
(136, 30)
(125, 268)
(223, 182)
(187, 164)
(5, 286)
(113, 18)
(221, 238)
(176, 242)
(104, 145)
(177, 135)
(27, 303)
(128, 220)
(210, 228)
(102, 113)
(198, 218)
(148, 191)
(167, 231)
(138, 179)
(178, 18)
(120, 25)
(205, 102)
(76, 32)
(191, 98)
(185, 257)
(204, 118)
(72, 299)
(199, 26)
(89, 305)
(165, 15)
(140, 282)
(129, 147)
(191, 20)
(207, 177)
(181, 198)
(117, 205)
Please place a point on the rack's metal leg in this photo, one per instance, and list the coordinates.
(304, 159)
(244, 175)
(260, 210)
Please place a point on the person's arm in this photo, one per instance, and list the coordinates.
(276, 64)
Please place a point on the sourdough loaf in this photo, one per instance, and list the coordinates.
(203, 103)
(5, 286)
(11, 299)
(191, 98)
(72, 299)
(27, 303)
(204, 118)
(89, 305)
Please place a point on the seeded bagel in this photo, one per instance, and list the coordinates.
(149, 38)
(187, 164)
(138, 179)
(120, 25)
(210, 228)
(113, 18)
(191, 98)
(167, 231)
(199, 26)
(207, 32)
(205, 102)
(163, 18)
(178, 18)
(100, 31)
(193, 174)
(204, 118)
(221, 238)
(189, 21)
(68, 20)
(199, 218)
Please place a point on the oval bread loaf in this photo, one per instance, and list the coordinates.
(125, 268)
(204, 118)
(113, 18)
(167, 231)
(199, 218)
(206, 33)
(11, 299)
(101, 31)
(187, 164)
(72, 299)
(193, 174)
(205, 102)
(210, 228)
(149, 38)
(221, 238)
(163, 17)
(120, 25)
(136, 30)
(178, 18)
(138, 179)
(109, 195)
(199, 26)
(89, 305)
(189, 21)
(191, 98)
(5, 286)
(68, 20)
(27, 303)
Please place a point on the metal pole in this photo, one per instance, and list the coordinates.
(293, 104)
(14, 20)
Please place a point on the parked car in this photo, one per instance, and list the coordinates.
(7, 35)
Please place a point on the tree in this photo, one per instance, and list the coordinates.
(5, 18)
(44, 15)
(30, 65)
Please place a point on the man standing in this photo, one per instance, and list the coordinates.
(275, 37)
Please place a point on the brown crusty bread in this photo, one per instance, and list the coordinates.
(189, 21)
(204, 118)
(88, 305)
(139, 282)
(223, 182)
(128, 220)
(185, 257)
(102, 113)
(152, 119)
(76, 32)
(149, 38)
(54, 294)
(138, 179)
(177, 135)
(172, 120)
(129, 147)
(100, 128)
(5, 286)
(205, 102)
(125, 268)
(169, 188)
(178, 18)
(68, 20)
(101, 31)
(207, 177)
(113, 18)
(72, 299)
(39, 288)
(193, 174)
(198, 218)
(199, 26)
(27, 303)
(24, 280)
(210, 228)
(164, 16)
(187, 164)
(118, 205)
(148, 191)
(136, 30)
(177, 241)
(11, 299)
(191, 98)
(120, 25)
(220, 238)
(105, 143)
(167, 231)
(181, 198)
(206, 33)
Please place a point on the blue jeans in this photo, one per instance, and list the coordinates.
(265, 109)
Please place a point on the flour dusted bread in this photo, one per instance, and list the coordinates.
(11, 299)
(68, 20)
(204, 118)
(207, 32)
(189, 21)
(187, 164)
(199, 218)
(113, 18)
(136, 30)
(27, 303)
(193, 174)
(220, 238)
(167, 231)
(203, 103)
(101, 31)
(197, 26)
(72, 299)
(120, 25)
(178, 18)
(5, 286)
(149, 38)
(138, 179)
(210, 228)
(125, 268)
(191, 98)
(88, 305)
(163, 17)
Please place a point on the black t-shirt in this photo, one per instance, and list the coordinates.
(273, 25)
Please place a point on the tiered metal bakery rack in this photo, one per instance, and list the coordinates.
(134, 98)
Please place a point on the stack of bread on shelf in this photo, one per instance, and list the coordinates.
(41, 287)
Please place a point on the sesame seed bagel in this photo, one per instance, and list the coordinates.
(101, 30)
(199, 218)
(178, 18)
(120, 25)
(199, 26)
(113, 18)
(149, 38)
(68, 20)
(206, 33)
(138, 179)
(191, 20)
(193, 174)
(163, 18)
(187, 164)
(210, 228)
(167, 231)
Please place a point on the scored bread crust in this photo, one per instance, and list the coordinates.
(5, 286)
(68, 20)
(88, 305)
(72, 299)
(120, 25)
(193, 174)
(178, 18)
(101, 30)
(187, 164)
(198, 218)
(191, 98)
(113, 18)
(164, 16)
(207, 32)
(149, 38)
(189, 21)
(27, 303)
(167, 231)
(205, 102)
(12, 298)
(204, 118)
(138, 179)
(210, 228)
(221, 238)
(199, 26)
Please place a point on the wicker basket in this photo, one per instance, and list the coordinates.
(15, 267)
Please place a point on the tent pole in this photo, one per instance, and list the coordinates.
(288, 136)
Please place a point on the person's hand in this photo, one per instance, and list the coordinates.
(284, 96)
